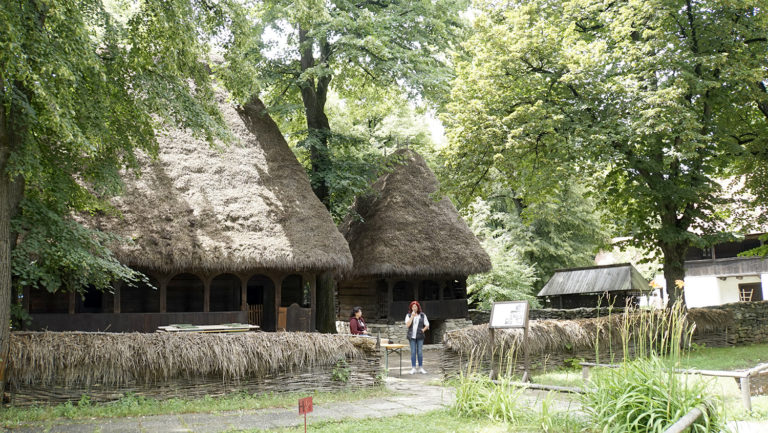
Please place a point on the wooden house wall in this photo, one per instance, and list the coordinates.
(358, 293)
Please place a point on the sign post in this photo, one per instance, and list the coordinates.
(512, 314)
(305, 407)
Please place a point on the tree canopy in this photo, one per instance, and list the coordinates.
(651, 103)
(82, 89)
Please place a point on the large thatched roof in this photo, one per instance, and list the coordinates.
(248, 205)
(595, 279)
(400, 229)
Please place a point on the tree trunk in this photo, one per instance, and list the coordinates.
(5, 245)
(318, 131)
(318, 128)
(674, 270)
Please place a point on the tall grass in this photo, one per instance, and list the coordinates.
(477, 396)
(644, 394)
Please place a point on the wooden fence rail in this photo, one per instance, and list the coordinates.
(743, 376)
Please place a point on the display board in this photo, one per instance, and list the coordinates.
(511, 314)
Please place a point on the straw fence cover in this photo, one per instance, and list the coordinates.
(113, 359)
(237, 207)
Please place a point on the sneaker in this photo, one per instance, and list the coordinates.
(413, 371)
(422, 371)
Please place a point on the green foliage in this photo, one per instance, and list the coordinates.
(528, 241)
(512, 277)
(341, 371)
(82, 91)
(299, 56)
(648, 102)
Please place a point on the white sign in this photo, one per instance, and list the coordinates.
(513, 314)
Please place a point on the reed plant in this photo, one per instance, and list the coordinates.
(644, 394)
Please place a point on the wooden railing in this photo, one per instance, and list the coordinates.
(255, 314)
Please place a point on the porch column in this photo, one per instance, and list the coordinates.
(243, 293)
(163, 282)
(390, 290)
(71, 309)
(278, 279)
(313, 293)
(207, 294)
(118, 285)
(25, 299)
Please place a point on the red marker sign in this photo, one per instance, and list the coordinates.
(305, 407)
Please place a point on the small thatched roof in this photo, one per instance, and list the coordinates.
(595, 279)
(401, 230)
(248, 205)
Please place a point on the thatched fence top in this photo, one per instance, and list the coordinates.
(554, 336)
(83, 359)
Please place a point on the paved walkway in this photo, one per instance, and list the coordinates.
(431, 397)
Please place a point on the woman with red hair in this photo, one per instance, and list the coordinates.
(417, 323)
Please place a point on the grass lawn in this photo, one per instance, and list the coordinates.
(433, 422)
(726, 358)
(139, 406)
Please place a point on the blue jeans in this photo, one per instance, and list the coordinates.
(417, 347)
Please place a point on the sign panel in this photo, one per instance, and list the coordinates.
(512, 314)
(305, 405)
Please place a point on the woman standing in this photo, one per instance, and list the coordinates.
(356, 322)
(417, 323)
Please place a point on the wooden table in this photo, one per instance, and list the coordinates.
(391, 348)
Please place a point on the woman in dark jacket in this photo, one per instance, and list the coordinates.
(356, 322)
(417, 324)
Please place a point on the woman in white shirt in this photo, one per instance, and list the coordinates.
(417, 323)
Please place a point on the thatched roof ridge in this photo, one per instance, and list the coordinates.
(245, 206)
(399, 229)
(595, 279)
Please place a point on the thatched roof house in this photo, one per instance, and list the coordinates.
(407, 245)
(219, 229)
(581, 287)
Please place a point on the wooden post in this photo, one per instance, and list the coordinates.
(278, 296)
(745, 394)
(526, 373)
(163, 294)
(585, 372)
(207, 294)
(243, 294)
(72, 301)
(116, 298)
(25, 299)
(313, 295)
(390, 290)
(494, 372)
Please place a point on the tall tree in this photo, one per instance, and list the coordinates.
(652, 101)
(295, 52)
(80, 92)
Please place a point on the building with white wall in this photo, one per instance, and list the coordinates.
(717, 275)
